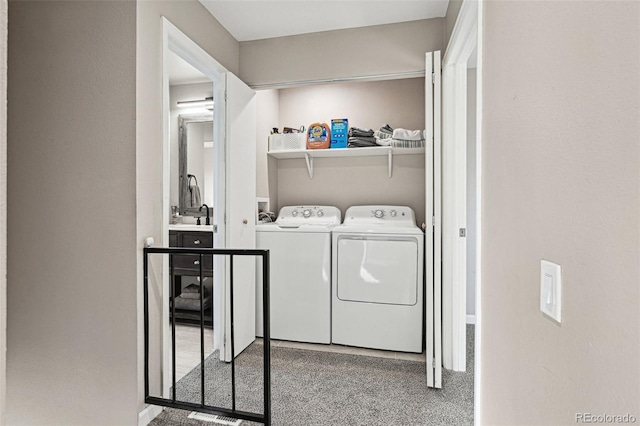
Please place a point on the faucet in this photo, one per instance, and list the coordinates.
(207, 220)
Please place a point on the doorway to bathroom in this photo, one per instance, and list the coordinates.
(207, 202)
(193, 181)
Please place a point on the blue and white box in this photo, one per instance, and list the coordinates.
(339, 132)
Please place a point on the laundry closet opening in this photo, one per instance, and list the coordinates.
(347, 304)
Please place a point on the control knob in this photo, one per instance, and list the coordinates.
(393, 213)
(320, 213)
(306, 213)
(379, 214)
(294, 213)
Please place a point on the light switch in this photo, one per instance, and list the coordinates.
(551, 289)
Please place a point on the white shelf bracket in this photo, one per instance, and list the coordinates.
(390, 161)
(309, 164)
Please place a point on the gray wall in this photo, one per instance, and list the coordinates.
(71, 334)
(356, 52)
(3, 208)
(197, 23)
(345, 182)
(561, 161)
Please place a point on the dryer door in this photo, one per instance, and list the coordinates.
(378, 269)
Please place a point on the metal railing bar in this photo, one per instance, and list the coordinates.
(244, 415)
(173, 330)
(266, 339)
(233, 352)
(146, 324)
(201, 330)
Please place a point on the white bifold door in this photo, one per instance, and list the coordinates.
(239, 220)
(433, 231)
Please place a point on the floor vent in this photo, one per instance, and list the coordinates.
(221, 420)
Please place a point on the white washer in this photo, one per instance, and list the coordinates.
(377, 279)
(300, 252)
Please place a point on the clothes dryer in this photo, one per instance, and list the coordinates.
(300, 282)
(377, 297)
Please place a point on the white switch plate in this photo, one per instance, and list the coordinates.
(551, 289)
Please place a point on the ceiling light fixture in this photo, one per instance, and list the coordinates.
(206, 102)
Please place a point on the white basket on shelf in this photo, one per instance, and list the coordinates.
(288, 142)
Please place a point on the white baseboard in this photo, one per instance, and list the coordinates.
(149, 413)
(471, 319)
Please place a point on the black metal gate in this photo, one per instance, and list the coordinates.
(264, 418)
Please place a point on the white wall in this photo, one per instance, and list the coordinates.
(354, 52)
(471, 191)
(344, 182)
(3, 208)
(71, 262)
(197, 23)
(560, 163)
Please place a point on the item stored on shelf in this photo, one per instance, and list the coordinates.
(292, 130)
(287, 142)
(319, 136)
(339, 129)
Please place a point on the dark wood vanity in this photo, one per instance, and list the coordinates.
(189, 266)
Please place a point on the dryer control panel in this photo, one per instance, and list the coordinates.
(383, 215)
(313, 215)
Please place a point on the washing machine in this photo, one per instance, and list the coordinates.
(377, 285)
(300, 273)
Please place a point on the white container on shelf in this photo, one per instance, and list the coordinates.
(287, 141)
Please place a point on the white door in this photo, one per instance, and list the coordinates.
(433, 243)
(240, 188)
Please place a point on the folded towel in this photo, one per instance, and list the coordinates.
(383, 141)
(192, 288)
(408, 135)
(191, 304)
(386, 129)
(382, 135)
(196, 295)
(358, 142)
(357, 132)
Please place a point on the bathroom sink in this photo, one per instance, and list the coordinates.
(191, 227)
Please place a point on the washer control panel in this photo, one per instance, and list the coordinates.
(317, 215)
(383, 215)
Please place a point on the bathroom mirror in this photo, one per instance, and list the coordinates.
(195, 169)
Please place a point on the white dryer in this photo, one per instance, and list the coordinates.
(300, 286)
(377, 298)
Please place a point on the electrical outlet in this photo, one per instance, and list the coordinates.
(551, 290)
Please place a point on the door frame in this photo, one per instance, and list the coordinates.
(174, 40)
(463, 41)
(433, 232)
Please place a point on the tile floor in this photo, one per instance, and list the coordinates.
(188, 348)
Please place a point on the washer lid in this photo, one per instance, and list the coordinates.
(292, 216)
